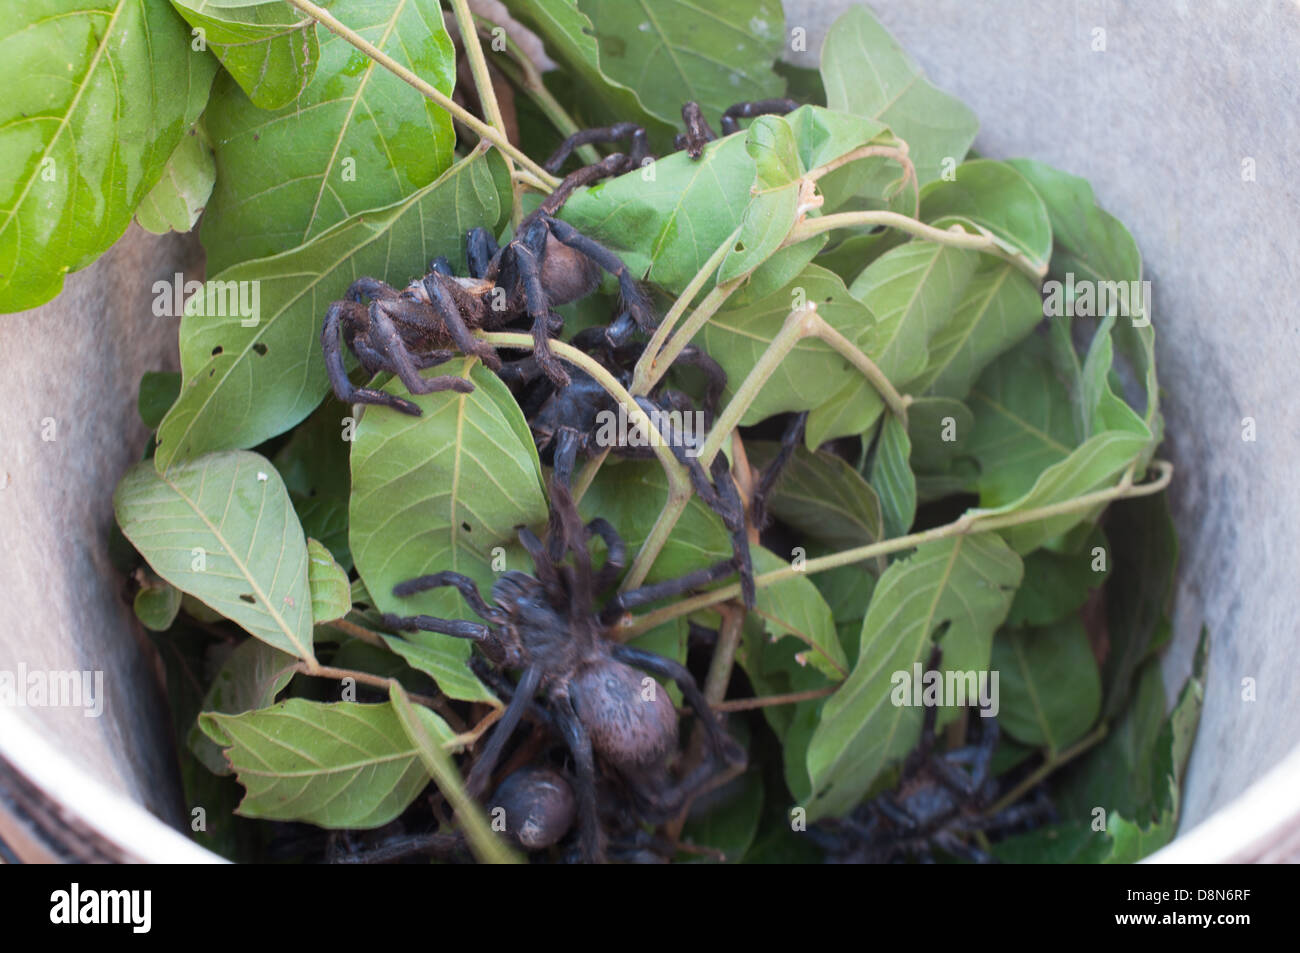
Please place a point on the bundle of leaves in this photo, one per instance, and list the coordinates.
(972, 474)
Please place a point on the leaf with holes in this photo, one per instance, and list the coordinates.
(957, 590)
(221, 528)
(443, 491)
(250, 678)
(97, 97)
(250, 341)
(674, 51)
(269, 48)
(357, 138)
(338, 765)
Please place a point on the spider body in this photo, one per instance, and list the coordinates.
(547, 263)
(596, 693)
(538, 806)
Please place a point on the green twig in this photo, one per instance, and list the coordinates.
(1050, 764)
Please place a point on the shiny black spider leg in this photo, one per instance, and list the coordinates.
(480, 250)
(772, 474)
(480, 775)
(528, 259)
(591, 837)
(726, 748)
(567, 443)
(442, 266)
(639, 145)
(758, 107)
(635, 302)
(463, 584)
(332, 344)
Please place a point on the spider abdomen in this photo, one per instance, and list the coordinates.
(538, 804)
(629, 715)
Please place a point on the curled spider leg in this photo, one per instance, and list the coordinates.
(332, 345)
(591, 837)
(715, 377)
(615, 553)
(639, 145)
(476, 785)
(528, 259)
(385, 335)
(698, 131)
(723, 744)
(758, 107)
(611, 165)
(567, 443)
(644, 595)
(722, 496)
(635, 301)
(772, 474)
(463, 584)
(441, 266)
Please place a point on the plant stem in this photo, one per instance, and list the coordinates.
(768, 701)
(954, 236)
(480, 128)
(724, 655)
(677, 477)
(970, 522)
(1050, 764)
(365, 678)
(658, 365)
(896, 402)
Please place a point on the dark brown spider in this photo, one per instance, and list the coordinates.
(698, 132)
(939, 801)
(547, 626)
(547, 263)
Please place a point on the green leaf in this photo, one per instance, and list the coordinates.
(357, 138)
(157, 606)
(438, 492)
(795, 608)
(730, 825)
(867, 73)
(338, 765)
(997, 310)
(158, 391)
(938, 429)
(1139, 595)
(994, 196)
(253, 371)
(444, 661)
(268, 47)
(774, 206)
(892, 477)
(250, 678)
(315, 466)
(99, 94)
(331, 595)
(821, 496)
(176, 202)
(1058, 584)
(221, 529)
(570, 39)
(1049, 683)
(672, 51)
(958, 589)
(812, 372)
(912, 291)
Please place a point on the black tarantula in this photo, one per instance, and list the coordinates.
(940, 799)
(547, 263)
(548, 627)
(697, 135)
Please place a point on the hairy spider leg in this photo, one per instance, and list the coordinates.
(757, 107)
(772, 474)
(480, 775)
(388, 341)
(698, 131)
(591, 838)
(442, 301)
(528, 262)
(441, 266)
(634, 300)
(466, 586)
(342, 314)
(608, 167)
(633, 598)
(639, 145)
(615, 553)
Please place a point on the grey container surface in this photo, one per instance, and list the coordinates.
(1162, 122)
